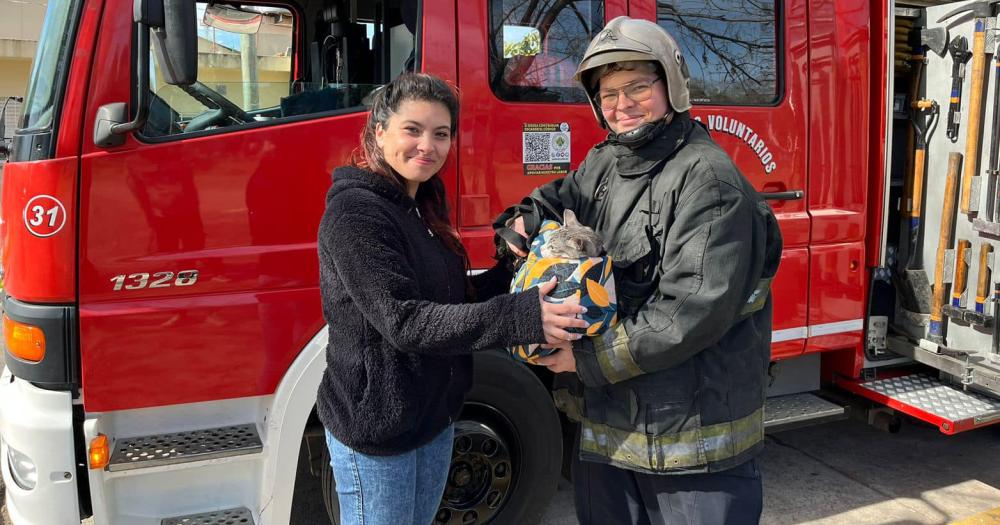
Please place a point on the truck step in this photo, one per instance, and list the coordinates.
(237, 516)
(799, 410)
(184, 447)
(927, 398)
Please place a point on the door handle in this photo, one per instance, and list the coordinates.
(792, 195)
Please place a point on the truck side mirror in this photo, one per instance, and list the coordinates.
(4, 146)
(173, 25)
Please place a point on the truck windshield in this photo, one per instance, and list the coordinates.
(48, 74)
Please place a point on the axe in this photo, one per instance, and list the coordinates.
(935, 39)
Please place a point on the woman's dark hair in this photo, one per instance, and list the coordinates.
(430, 196)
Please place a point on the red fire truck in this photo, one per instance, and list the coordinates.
(162, 325)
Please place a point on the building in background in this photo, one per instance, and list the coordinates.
(20, 25)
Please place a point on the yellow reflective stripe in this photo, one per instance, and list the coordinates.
(690, 448)
(629, 448)
(571, 405)
(613, 355)
(726, 440)
(758, 298)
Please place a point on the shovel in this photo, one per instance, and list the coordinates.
(916, 289)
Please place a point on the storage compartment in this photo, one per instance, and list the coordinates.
(939, 289)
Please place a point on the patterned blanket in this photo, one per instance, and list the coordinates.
(587, 281)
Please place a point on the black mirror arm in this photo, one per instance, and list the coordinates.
(142, 97)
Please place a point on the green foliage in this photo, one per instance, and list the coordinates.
(530, 45)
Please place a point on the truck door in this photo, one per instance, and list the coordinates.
(524, 120)
(198, 273)
(748, 62)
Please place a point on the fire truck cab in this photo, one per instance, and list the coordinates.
(163, 334)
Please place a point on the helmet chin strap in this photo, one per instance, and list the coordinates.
(639, 136)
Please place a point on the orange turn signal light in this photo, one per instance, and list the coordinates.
(24, 341)
(99, 454)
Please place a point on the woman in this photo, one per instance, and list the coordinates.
(672, 409)
(396, 297)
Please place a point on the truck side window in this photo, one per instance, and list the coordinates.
(730, 49)
(244, 70)
(269, 64)
(535, 47)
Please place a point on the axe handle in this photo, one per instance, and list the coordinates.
(983, 279)
(944, 241)
(961, 272)
(975, 114)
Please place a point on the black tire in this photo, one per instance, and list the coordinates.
(329, 487)
(508, 399)
(507, 455)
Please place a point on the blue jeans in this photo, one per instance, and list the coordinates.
(391, 490)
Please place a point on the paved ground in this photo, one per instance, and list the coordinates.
(847, 473)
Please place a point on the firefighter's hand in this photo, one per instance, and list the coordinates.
(518, 226)
(561, 361)
(556, 318)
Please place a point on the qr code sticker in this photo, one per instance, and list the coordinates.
(559, 147)
(537, 147)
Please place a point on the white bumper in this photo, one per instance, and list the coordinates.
(39, 424)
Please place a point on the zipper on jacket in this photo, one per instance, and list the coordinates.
(429, 232)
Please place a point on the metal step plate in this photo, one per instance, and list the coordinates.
(184, 447)
(798, 410)
(237, 516)
(928, 398)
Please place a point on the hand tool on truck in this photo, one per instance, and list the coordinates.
(936, 329)
(961, 273)
(981, 12)
(959, 51)
(916, 290)
(936, 40)
(983, 277)
(956, 311)
(988, 224)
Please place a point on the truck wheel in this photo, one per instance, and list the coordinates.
(508, 448)
(507, 452)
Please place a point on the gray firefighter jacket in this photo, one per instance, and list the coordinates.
(678, 384)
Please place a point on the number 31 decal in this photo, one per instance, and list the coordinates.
(44, 216)
(139, 281)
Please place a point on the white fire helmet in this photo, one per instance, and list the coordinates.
(626, 39)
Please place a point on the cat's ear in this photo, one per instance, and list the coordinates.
(569, 218)
(579, 243)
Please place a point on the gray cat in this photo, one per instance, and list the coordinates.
(573, 240)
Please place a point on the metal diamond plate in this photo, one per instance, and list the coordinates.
(931, 395)
(182, 447)
(238, 516)
(796, 408)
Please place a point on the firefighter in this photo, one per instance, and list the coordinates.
(670, 400)
(402, 318)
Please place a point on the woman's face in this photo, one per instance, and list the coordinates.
(627, 114)
(416, 140)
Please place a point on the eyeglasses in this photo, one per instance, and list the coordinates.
(638, 91)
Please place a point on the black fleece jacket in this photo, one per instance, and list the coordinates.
(401, 329)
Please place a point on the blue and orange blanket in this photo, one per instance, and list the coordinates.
(587, 281)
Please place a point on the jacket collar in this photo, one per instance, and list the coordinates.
(665, 140)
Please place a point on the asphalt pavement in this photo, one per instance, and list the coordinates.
(848, 473)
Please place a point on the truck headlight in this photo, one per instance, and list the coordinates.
(22, 469)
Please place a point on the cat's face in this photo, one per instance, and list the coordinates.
(573, 240)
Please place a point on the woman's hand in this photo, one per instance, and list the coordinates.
(518, 226)
(557, 317)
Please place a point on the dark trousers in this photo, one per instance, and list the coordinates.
(608, 495)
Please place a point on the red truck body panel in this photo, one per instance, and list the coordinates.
(242, 207)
